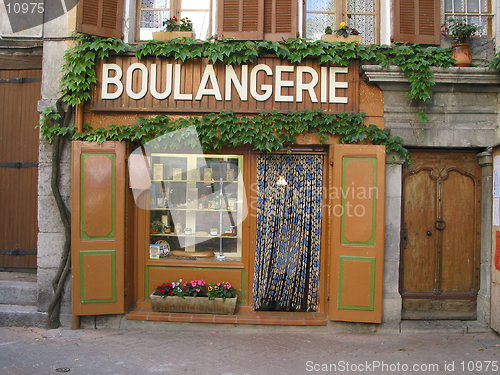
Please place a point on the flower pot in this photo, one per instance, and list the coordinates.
(195, 305)
(169, 35)
(461, 53)
(339, 38)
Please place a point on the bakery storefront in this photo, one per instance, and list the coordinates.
(299, 231)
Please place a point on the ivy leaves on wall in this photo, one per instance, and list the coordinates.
(414, 60)
(266, 131)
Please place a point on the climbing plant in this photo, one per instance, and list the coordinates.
(414, 60)
(265, 131)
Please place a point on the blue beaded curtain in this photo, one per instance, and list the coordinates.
(288, 232)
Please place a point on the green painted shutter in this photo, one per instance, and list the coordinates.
(357, 255)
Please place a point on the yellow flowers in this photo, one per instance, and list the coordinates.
(343, 25)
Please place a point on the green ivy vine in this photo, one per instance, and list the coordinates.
(413, 60)
(267, 131)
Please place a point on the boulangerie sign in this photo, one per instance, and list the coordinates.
(158, 84)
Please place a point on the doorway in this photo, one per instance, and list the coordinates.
(288, 232)
(440, 242)
(19, 139)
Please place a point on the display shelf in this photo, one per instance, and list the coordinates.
(202, 204)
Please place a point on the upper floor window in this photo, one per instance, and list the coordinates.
(477, 12)
(359, 14)
(154, 12)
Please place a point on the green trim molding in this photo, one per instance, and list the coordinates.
(343, 239)
(113, 275)
(111, 235)
(341, 283)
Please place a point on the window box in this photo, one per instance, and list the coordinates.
(169, 35)
(194, 305)
(339, 38)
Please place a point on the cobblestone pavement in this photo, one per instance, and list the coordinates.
(224, 351)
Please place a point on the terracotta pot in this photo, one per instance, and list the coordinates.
(168, 35)
(339, 38)
(461, 53)
(195, 305)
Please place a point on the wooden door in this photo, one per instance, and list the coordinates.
(440, 235)
(19, 95)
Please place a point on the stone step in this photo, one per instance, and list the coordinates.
(22, 293)
(21, 316)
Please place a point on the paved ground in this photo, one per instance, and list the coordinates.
(230, 351)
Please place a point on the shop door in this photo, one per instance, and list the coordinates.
(19, 94)
(288, 245)
(440, 235)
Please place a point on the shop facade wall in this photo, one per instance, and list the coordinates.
(51, 231)
(463, 113)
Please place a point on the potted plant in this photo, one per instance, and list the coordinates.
(192, 297)
(343, 34)
(461, 31)
(175, 30)
(156, 226)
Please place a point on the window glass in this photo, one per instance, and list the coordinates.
(358, 14)
(472, 11)
(195, 4)
(201, 23)
(154, 12)
(321, 5)
(316, 24)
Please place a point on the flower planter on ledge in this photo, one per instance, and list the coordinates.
(169, 35)
(195, 305)
(339, 38)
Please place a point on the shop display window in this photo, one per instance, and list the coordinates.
(196, 205)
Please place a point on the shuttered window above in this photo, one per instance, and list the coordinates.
(100, 17)
(417, 21)
(257, 19)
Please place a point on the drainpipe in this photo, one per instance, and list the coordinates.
(79, 117)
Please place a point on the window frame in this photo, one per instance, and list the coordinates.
(489, 15)
(174, 10)
(341, 15)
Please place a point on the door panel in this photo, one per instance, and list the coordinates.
(457, 273)
(19, 138)
(440, 241)
(419, 267)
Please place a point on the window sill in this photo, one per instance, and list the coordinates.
(452, 75)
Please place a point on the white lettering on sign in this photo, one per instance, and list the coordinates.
(107, 80)
(299, 81)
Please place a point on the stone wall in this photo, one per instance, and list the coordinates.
(51, 231)
(463, 113)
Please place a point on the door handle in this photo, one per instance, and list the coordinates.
(405, 237)
(440, 224)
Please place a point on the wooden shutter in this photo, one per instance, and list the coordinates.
(98, 228)
(357, 252)
(241, 19)
(280, 19)
(100, 17)
(417, 21)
